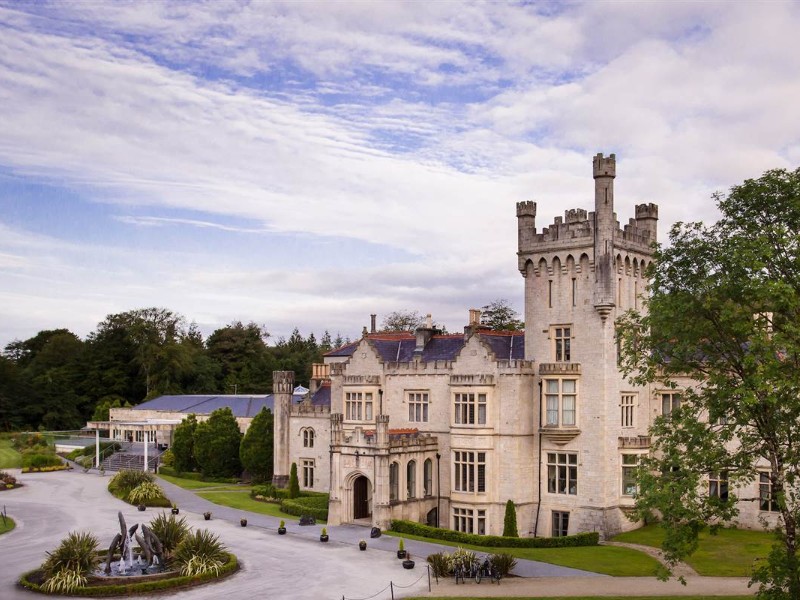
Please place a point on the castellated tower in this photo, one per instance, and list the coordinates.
(282, 389)
(581, 273)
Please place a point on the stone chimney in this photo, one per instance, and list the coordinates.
(373, 328)
(423, 335)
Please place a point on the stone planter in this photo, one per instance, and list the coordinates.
(401, 554)
(175, 511)
(323, 538)
(281, 530)
(408, 564)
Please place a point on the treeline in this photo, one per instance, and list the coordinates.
(57, 381)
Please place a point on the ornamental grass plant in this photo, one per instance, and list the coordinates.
(200, 552)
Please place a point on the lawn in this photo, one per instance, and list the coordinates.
(243, 501)
(193, 484)
(608, 560)
(729, 553)
(9, 458)
(6, 524)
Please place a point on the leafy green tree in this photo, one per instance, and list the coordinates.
(297, 354)
(104, 406)
(216, 445)
(510, 520)
(402, 320)
(256, 449)
(724, 312)
(294, 483)
(183, 445)
(242, 359)
(500, 316)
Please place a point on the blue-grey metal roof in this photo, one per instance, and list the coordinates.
(241, 405)
(322, 397)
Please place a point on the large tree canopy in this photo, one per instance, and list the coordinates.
(724, 312)
(501, 316)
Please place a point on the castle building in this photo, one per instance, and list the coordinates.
(444, 429)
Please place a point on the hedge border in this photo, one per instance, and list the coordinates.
(146, 587)
(494, 541)
(171, 472)
(298, 508)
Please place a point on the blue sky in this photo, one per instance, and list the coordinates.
(309, 163)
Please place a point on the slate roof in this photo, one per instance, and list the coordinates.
(399, 347)
(322, 397)
(202, 404)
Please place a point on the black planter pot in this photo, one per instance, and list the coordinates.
(281, 530)
(323, 538)
(141, 507)
(401, 554)
(362, 546)
(207, 516)
(408, 564)
(175, 511)
(243, 522)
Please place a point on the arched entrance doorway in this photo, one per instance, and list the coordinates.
(361, 498)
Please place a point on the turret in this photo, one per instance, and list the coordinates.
(282, 389)
(526, 224)
(604, 171)
(647, 219)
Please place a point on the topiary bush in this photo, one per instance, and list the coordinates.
(510, 520)
(294, 484)
(35, 460)
(316, 506)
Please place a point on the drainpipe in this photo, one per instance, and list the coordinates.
(438, 490)
(539, 501)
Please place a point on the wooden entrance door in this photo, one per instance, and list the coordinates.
(360, 498)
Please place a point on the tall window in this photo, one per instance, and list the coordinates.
(358, 406)
(560, 523)
(560, 395)
(427, 478)
(418, 407)
(469, 520)
(561, 343)
(718, 485)
(669, 402)
(308, 438)
(562, 473)
(767, 500)
(308, 473)
(470, 471)
(411, 479)
(470, 409)
(630, 462)
(627, 405)
(394, 477)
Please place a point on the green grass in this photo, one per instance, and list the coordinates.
(237, 499)
(6, 525)
(607, 560)
(9, 458)
(193, 484)
(586, 598)
(729, 553)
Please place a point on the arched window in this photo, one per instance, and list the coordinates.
(308, 438)
(411, 478)
(394, 472)
(427, 477)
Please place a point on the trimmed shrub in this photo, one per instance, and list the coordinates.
(316, 506)
(510, 521)
(168, 458)
(38, 461)
(494, 541)
(145, 492)
(294, 484)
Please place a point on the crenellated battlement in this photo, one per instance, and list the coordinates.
(604, 167)
(282, 382)
(526, 208)
(303, 409)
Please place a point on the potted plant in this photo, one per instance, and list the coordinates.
(362, 545)
(175, 509)
(408, 563)
(282, 527)
(324, 535)
(141, 507)
(401, 549)
(207, 515)
(243, 522)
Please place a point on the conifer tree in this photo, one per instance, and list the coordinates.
(256, 449)
(510, 520)
(294, 484)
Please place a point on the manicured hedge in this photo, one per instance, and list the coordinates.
(316, 506)
(134, 589)
(494, 541)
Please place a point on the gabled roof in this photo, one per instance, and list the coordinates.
(399, 347)
(322, 397)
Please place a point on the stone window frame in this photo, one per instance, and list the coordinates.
(308, 437)
(562, 467)
(559, 523)
(470, 407)
(629, 463)
(469, 519)
(309, 466)
(411, 479)
(359, 404)
(670, 400)
(628, 401)
(469, 471)
(427, 478)
(394, 481)
(561, 336)
(418, 405)
(766, 500)
(719, 485)
(559, 396)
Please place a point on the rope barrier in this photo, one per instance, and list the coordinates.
(393, 585)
